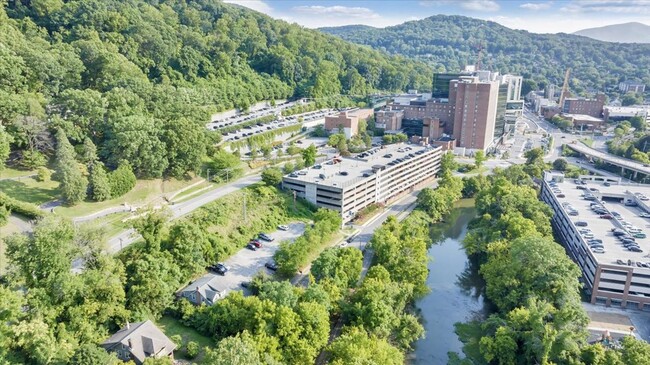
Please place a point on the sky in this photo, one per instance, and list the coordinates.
(565, 16)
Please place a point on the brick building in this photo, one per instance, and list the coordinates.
(348, 121)
(592, 107)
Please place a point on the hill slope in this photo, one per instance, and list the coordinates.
(622, 33)
(449, 42)
(87, 66)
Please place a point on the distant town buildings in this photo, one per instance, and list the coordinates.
(619, 113)
(471, 108)
(631, 87)
(347, 121)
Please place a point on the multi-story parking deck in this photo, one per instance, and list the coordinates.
(349, 184)
(603, 225)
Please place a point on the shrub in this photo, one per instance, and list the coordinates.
(177, 339)
(19, 207)
(122, 180)
(272, 176)
(192, 349)
(44, 174)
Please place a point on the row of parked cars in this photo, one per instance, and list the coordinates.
(556, 190)
(253, 245)
(629, 242)
(633, 263)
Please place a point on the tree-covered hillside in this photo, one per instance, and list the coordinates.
(140, 78)
(449, 42)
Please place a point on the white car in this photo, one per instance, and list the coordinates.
(283, 227)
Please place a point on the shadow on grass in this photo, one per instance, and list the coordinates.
(32, 194)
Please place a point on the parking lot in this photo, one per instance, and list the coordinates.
(246, 263)
(252, 130)
(241, 118)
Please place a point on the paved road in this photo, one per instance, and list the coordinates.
(126, 237)
(245, 264)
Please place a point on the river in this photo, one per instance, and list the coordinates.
(456, 289)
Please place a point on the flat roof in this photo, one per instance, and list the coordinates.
(602, 228)
(354, 168)
(583, 117)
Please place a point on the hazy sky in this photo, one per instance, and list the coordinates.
(535, 16)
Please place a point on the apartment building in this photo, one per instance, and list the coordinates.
(590, 214)
(379, 175)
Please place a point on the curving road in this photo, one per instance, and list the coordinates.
(611, 159)
(127, 237)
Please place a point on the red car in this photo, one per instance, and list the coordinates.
(256, 243)
(606, 216)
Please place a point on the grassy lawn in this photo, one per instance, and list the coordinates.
(587, 141)
(111, 224)
(480, 170)
(171, 326)
(11, 173)
(30, 190)
(145, 192)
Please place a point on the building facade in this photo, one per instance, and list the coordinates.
(631, 87)
(475, 112)
(349, 184)
(592, 107)
(389, 120)
(348, 121)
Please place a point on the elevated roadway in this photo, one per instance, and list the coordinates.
(623, 163)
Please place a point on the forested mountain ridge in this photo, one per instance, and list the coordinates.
(141, 71)
(625, 33)
(449, 42)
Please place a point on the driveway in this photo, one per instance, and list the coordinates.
(246, 263)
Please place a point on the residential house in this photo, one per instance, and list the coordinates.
(138, 341)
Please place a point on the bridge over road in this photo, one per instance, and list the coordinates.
(623, 163)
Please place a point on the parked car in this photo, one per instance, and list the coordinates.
(266, 237)
(639, 235)
(251, 247)
(606, 216)
(606, 184)
(271, 265)
(581, 224)
(219, 268)
(283, 227)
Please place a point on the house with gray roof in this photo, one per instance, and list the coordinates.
(138, 341)
(203, 290)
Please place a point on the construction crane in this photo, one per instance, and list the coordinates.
(565, 87)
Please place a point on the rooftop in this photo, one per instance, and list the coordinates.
(343, 171)
(583, 117)
(610, 198)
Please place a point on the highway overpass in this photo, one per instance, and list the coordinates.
(623, 163)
